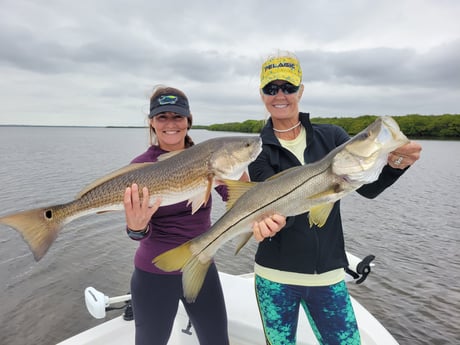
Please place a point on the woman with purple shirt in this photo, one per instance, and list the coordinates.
(156, 294)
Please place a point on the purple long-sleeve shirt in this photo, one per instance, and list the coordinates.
(171, 225)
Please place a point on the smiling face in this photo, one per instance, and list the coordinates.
(283, 108)
(170, 129)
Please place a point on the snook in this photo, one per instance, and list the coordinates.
(314, 187)
(187, 175)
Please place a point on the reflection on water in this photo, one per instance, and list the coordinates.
(412, 228)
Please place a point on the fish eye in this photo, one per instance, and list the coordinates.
(49, 214)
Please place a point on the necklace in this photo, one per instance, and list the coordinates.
(286, 130)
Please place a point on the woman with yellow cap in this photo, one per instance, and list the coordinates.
(302, 265)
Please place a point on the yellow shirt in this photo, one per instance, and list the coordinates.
(302, 279)
(298, 145)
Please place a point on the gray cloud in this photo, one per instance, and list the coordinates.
(386, 66)
(104, 57)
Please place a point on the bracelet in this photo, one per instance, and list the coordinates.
(138, 235)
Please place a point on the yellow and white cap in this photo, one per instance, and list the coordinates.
(281, 68)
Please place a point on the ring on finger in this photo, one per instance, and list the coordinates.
(398, 161)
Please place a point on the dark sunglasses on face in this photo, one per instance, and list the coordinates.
(272, 89)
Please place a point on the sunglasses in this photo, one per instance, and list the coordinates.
(272, 89)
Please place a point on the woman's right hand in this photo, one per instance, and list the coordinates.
(137, 212)
(268, 227)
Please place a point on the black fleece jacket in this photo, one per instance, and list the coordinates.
(297, 248)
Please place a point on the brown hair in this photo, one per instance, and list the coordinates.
(165, 90)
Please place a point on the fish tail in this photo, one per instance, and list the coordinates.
(193, 275)
(38, 230)
(193, 269)
(174, 259)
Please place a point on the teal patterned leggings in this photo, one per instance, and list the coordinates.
(328, 309)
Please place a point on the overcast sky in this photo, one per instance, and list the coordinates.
(96, 62)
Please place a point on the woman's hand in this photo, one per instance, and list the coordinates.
(405, 155)
(268, 227)
(138, 213)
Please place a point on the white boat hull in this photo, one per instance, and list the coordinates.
(244, 322)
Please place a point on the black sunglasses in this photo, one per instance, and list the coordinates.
(272, 89)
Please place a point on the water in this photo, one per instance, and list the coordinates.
(412, 228)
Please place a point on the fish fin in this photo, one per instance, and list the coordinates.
(207, 194)
(174, 259)
(244, 238)
(319, 214)
(236, 189)
(38, 227)
(193, 275)
(197, 201)
(110, 176)
(167, 155)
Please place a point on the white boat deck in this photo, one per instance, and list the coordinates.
(244, 323)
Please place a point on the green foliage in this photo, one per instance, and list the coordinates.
(248, 126)
(351, 125)
(445, 126)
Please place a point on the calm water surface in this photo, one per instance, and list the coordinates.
(412, 228)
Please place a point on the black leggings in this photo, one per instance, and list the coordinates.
(155, 299)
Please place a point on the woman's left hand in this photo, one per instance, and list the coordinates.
(268, 227)
(405, 155)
